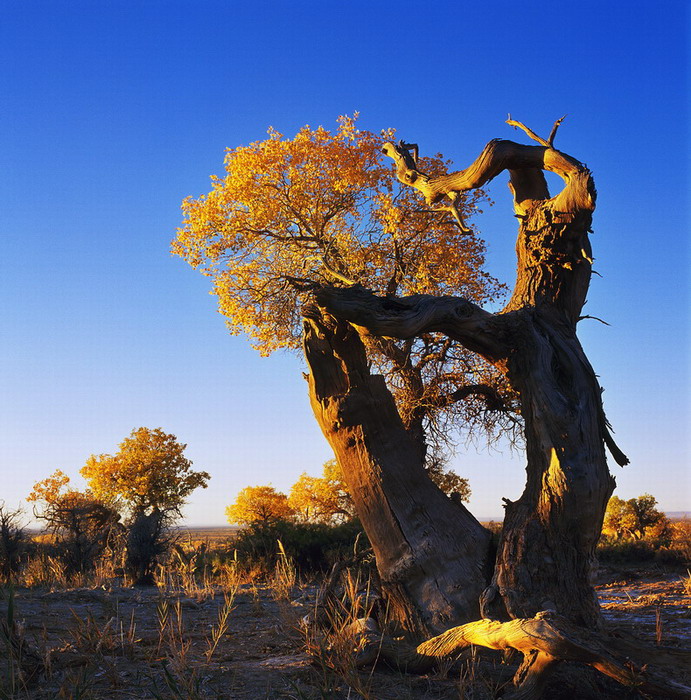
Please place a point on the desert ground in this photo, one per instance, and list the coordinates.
(243, 636)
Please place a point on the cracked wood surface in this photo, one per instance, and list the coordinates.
(547, 546)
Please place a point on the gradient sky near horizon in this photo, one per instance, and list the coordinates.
(113, 112)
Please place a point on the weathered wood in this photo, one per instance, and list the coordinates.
(544, 641)
(430, 551)
(407, 317)
(549, 535)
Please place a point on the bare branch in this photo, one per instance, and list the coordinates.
(456, 211)
(302, 284)
(406, 317)
(530, 132)
(493, 398)
(524, 163)
(337, 275)
(413, 149)
(594, 318)
(553, 133)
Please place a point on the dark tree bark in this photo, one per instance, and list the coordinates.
(547, 547)
(431, 553)
(146, 541)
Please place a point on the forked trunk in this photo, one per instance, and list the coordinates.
(543, 566)
(546, 551)
(431, 553)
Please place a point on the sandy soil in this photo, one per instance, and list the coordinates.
(117, 642)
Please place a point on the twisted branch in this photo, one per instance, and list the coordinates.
(544, 641)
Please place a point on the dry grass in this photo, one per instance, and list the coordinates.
(686, 582)
(218, 627)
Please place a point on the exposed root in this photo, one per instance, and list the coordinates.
(545, 641)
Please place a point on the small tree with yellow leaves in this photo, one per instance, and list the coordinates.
(259, 505)
(633, 518)
(149, 478)
(82, 524)
(323, 499)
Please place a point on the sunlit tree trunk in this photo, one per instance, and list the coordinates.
(430, 551)
(547, 546)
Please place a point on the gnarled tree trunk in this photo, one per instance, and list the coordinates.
(550, 533)
(431, 553)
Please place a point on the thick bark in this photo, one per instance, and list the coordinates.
(549, 535)
(431, 553)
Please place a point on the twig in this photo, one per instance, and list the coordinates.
(553, 133)
(594, 318)
(337, 275)
(549, 143)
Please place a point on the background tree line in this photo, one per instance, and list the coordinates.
(323, 499)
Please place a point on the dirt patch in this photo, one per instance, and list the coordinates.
(656, 607)
(122, 643)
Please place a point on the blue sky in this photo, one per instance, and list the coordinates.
(113, 112)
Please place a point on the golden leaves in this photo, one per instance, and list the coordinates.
(149, 471)
(322, 499)
(292, 208)
(49, 490)
(325, 207)
(259, 504)
(312, 499)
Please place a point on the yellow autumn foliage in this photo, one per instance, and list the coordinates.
(291, 209)
(322, 499)
(324, 207)
(259, 504)
(68, 511)
(150, 471)
(49, 490)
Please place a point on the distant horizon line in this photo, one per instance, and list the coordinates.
(482, 519)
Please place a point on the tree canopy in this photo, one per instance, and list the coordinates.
(323, 207)
(80, 520)
(149, 472)
(259, 504)
(632, 517)
(68, 509)
(448, 481)
(322, 499)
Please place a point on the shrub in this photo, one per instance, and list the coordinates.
(13, 542)
(312, 546)
(626, 552)
(668, 543)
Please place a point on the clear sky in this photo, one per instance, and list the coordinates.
(112, 112)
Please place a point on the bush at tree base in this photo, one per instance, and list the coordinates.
(313, 547)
